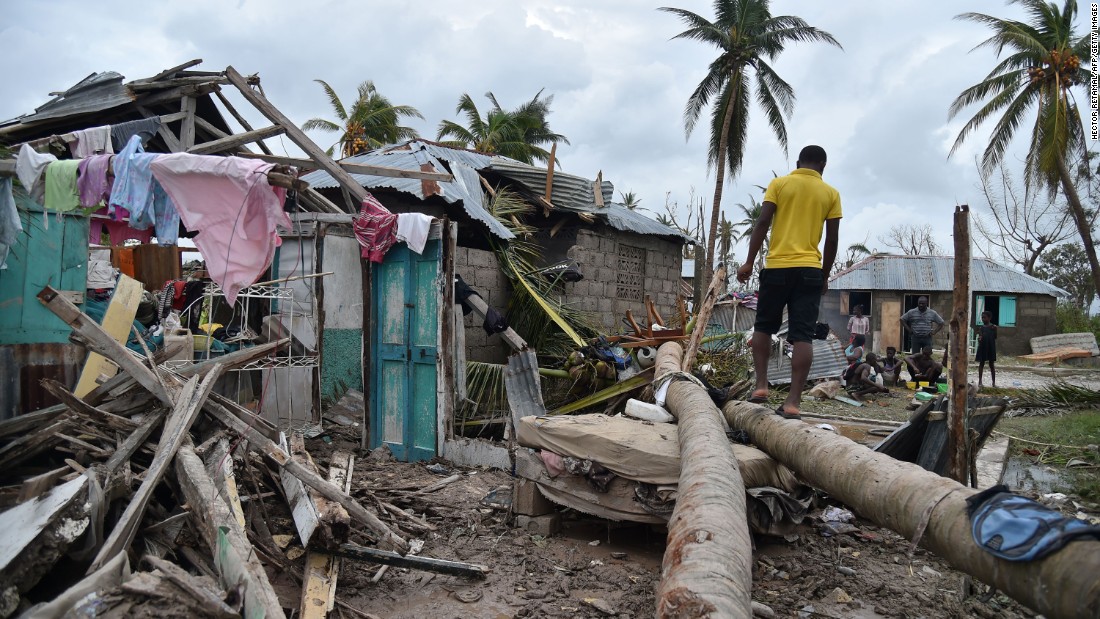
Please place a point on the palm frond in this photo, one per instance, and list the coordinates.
(334, 100)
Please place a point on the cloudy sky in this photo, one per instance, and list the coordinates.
(619, 82)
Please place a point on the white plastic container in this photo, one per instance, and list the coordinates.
(648, 412)
(647, 356)
(180, 344)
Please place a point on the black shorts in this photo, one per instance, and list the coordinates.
(799, 290)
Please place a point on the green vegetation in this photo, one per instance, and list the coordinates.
(1044, 61)
(371, 122)
(521, 133)
(747, 36)
(1073, 319)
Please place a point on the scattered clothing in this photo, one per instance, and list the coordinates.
(61, 195)
(10, 226)
(92, 184)
(375, 229)
(88, 142)
(412, 228)
(462, 292)
(236, 213)
(29, 166)
(138, 191)
(1015, 528)
(494, 322)
(117, 231)
(144, 129)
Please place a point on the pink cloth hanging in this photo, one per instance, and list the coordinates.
(229, 203)
(375, 229)
(92, 184)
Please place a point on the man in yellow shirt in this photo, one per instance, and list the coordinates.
(795, 208)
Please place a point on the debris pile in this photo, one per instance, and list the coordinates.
(129, 498)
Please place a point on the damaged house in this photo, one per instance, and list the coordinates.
(887, 286)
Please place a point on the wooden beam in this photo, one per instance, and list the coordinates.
(597, 189)
(100, 341)
(957, 460)
(176, 428)
(327, 489)
(428, 564)
(170, 139)
(480, 307)
(169, 72)
(115, 422)
(219, 465)
(701, 319)
(240, 119)
(322, 569)
(354, 168)
(233, 141)
(550, 172)
(21, 525)
(296, 135)
(117, 321)
(327, 520)
(175, 82)
(235, 560)
(212, 604)
(209, 128)
(23, 423)
(187, 129)
(133, 442)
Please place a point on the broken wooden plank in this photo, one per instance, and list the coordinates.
(322, 568)
(23, 423)
(240, 119)
(427, 564)
(187, 128)
(25, 522)
(702, 317)
(327, 489)
(233, 141)
(133, 442)
(100, 341)
(117, 321)
(30, 444)
(206, 598)
(313, 514)
(176, 428)
(296, 135)
(219, 465)
(80, 407)
(234, 558)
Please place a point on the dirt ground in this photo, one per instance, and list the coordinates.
(596, 568)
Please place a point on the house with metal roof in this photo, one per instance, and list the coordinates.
(889, 285)
(620, 255)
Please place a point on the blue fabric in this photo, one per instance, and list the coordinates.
(136, 190)
(1016, 528)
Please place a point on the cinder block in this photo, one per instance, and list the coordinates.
(527, 500)
(545, 525)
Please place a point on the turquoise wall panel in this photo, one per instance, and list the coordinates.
(342, 362)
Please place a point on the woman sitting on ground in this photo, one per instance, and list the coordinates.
(854, 354)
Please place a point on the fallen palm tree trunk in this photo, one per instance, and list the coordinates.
(923, 506)
(707, 566)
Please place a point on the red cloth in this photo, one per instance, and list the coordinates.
(119, 231)
(375, 229)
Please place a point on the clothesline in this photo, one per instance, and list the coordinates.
(279, 176)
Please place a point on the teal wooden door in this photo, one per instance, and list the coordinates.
(54, 253)
(404, 352)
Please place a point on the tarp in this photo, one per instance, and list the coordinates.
(638, 450)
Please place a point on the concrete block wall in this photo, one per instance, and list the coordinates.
(1035, 317)
(598, 257)
(480, 269)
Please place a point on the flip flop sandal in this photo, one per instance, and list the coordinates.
(784, 414)
(757, 399)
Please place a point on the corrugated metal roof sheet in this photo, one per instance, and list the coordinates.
(98, 91)
(570, 193)
(936, 273)
(464, 189)
(829, 362)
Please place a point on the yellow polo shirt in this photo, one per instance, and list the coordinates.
(802, 204)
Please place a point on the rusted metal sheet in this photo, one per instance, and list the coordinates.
(22, 368)
(829, 362)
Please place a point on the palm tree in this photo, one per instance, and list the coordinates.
(1046, 61)
(630, 200)
(519, 134)
(747, 36)
(372, 121)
